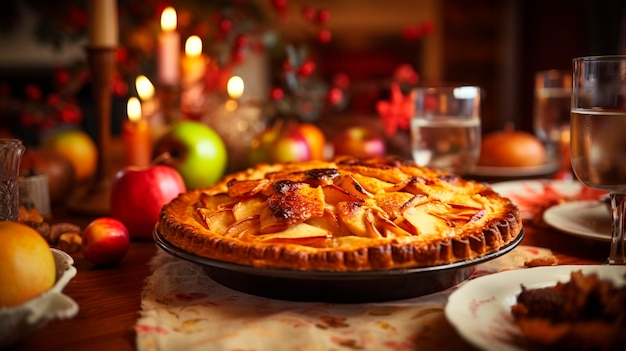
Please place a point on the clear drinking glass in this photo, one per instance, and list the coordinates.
(11, 151)
(552, 102)
(598, 136)
(445, 129)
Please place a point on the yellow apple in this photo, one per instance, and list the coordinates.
(27, 268)
(78, 147)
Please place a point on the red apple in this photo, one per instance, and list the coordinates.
(359, 141)
(291, 146)
(105, 241)
(287, 142)
(138, 193)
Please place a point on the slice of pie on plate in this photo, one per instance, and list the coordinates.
(342, 215)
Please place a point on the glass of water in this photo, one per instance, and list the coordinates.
(598, 136)
(445, 129)
(553, 89)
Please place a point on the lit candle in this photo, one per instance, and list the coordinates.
(102, 23)
(235, 88)
(168, 54)
(194, 62)
(145, 90)
(136, 136)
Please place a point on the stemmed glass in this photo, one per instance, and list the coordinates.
(598, 136)
(445, 129)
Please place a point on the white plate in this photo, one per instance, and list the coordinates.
(537, 190)
(586, 219)
(533, 187)
(488, 171)
(480, 309)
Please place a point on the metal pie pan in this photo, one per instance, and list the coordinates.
(335, 287)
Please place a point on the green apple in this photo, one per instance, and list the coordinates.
(196, 151)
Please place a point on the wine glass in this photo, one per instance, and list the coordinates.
(598, 136)
(445, 128)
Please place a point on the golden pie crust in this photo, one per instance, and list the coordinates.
(342, 215)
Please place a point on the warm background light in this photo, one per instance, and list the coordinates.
(235, 87)
(193, 46)
(168, 19)
(133, 109)
(145, 88)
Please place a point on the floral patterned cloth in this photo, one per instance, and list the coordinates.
(183, 309)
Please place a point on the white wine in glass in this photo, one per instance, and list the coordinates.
(598, 136)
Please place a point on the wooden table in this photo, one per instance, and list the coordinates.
(109, 298)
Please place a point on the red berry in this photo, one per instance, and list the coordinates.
(341, 80)
(239, 56)
(277, 94)
(323, 16)
(32, 92)
(307, 68)
(226, 25)
(241, 41)
(324, 36)
(308, 12)
(412, 33)
(335, 96)
(62, 77)
(280, 5)
(121, 55)
(53, 99)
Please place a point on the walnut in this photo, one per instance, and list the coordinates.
(57, 229)
(69, 242)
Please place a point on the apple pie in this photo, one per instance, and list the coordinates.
(346, 214)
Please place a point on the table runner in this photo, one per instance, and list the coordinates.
(183, 309)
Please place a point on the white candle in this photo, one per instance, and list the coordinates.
(168, 54)
(102, 25)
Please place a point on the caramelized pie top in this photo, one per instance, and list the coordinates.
(342, 215)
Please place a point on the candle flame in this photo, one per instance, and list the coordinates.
(168, 19)
(145, 88)
(193, 46)
(235, 87)
(133, 109)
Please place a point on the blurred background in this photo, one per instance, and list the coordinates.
(495, 44)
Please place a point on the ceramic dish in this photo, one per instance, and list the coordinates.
(480, 309)
(515, 172)
(338, 287)
(19, 321)
(585, 219)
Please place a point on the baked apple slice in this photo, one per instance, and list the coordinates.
(216, 221)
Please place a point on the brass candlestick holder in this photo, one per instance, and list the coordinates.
(96, 200)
